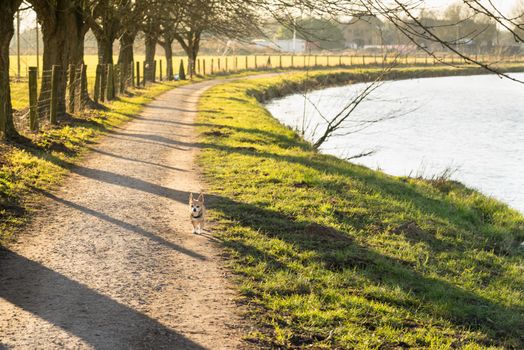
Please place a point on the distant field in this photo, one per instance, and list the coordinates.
(259, 61)
(219, 64)
(213, 64)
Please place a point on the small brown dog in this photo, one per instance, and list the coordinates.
(198, 211)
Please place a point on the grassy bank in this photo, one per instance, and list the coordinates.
(333, 255)
(40, 161)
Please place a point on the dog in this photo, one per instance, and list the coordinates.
(198, 211)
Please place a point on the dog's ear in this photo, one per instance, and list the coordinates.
(201, 197)
(191, 197)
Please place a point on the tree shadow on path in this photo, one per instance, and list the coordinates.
(125, 225)
(98, 320)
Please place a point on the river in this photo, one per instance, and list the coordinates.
(472, 125)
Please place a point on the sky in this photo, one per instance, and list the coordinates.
(506, 6)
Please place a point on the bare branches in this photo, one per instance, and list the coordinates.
(334, 125)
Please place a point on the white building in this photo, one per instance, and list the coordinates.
(290, 45)
(287, 45)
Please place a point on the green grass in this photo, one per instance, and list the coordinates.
(41, 161)
(333, 255)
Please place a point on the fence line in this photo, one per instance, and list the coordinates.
(243, 62)
(111, 81)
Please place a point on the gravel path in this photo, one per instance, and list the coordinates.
(110, 262)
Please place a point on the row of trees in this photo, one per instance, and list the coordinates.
(65, 23)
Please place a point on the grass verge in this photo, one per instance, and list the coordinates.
(333, 255)
(40, 161)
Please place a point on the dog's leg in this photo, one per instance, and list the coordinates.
(194, 227)
(199, 227)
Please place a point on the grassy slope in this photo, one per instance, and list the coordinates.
(335, 255)
(42, 161)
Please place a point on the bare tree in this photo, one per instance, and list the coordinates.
(63, 30)
(133, 15)
(151, 30)
(105, 21)
(227, 18)
(169, 26)
(7, 12)
(342, 122)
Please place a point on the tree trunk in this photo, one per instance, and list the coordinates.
(7, 127)
(126, 54)
(105, 49)
(151, 41)
(63, 31)
(167, 45)
(192, 58)
(191, 45)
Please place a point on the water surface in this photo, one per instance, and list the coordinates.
(474, 125)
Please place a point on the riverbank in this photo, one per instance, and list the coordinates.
(329, 254)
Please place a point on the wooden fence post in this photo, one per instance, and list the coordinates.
(107, 91)
(198, 67)
(78, 89)
(131, 83)
(219, 65)
(96, 91)
(227, 64)
(83, 87)
(293, 61)
(145, 73)
(280, 61)
(236, 63)
(212, 65)
(33, 97)
(137, 74)
(124, 77)
(71, 89)
(55, 81)
(256, 62)
(153, 70)
(103, 82)
(115, 73)
(160, 77)
(204, 66)
(110, 88)
(247, 63)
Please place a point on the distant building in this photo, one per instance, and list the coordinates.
(363, 32)
(265, 43)
(284, 45)
(290, 45)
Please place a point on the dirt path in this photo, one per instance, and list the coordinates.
(110, 261)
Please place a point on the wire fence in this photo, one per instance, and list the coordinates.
(53, 92)
(216, 64)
